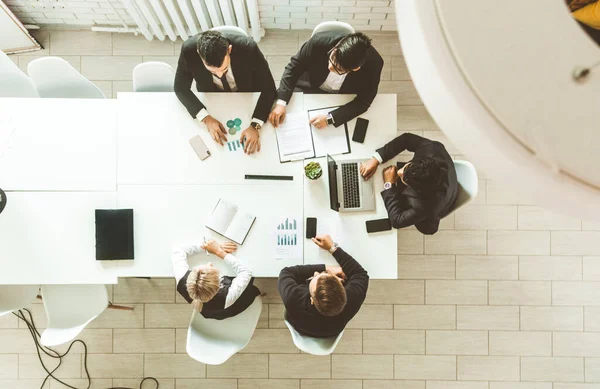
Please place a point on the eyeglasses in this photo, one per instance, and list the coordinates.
(337, 70)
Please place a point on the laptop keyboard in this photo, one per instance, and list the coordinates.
(351, 185)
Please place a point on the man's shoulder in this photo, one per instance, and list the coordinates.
(326, 38)
(190, 44)
(374, 59)
(241, 42)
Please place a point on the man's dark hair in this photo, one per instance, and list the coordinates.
(330, 295)
(212, 47)
(424, 175)
(351, 50)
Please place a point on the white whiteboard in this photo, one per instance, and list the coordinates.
(14, 38)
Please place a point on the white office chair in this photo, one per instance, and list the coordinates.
(231, 30)
(56, 78)
(153, 77)
(213, 342)
(69, 309)
(14, 297)
(13, 82)
(468, 184)
(342, 27)
(314, 346)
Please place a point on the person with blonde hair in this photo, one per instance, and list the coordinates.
(211, 294)
(320, 300)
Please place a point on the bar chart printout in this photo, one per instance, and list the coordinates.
(288, 241)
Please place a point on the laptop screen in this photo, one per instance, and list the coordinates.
(333, 191)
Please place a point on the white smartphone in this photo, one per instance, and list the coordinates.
(200, 147)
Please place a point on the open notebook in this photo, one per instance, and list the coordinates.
(231, 222)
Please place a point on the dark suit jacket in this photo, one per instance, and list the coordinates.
(303, 316)
(313, 59)
(250, 69)
(405, 206)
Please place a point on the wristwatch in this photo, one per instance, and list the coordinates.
(255, 125)
(329, 119)
(387, 185)
(333, 248)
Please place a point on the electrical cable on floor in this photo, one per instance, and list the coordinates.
(35, 334)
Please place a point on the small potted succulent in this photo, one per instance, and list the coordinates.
(313, 170)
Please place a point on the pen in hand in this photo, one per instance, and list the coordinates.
(205, 250)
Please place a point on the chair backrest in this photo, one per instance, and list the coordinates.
(468, 184)
(69, 309)
(314, 346)
(56, 78)
(13, 82)
(342, 27)
(14, 297)
(231, 30)
(213, 341)
(153, 77)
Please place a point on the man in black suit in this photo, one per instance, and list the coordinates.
(220, 63)
(320, 300)
(331, 62)
(428, 185)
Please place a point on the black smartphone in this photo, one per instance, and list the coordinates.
(360, 130)
(311, 227)
(378, 225)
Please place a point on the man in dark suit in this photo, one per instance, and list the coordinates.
(331, 62)
(220, 63)
(320, 300)
(419, 192)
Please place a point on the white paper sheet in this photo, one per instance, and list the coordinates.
(329, 140)
(288, 239)
(294, 138)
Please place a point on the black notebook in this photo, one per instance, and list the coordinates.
(114, 234)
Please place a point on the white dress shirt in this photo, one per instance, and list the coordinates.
(234, 88)
(239, 283)
(333, 82)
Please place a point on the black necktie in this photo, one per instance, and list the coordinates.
(226, 87)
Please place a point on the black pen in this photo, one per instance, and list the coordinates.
(267, 177)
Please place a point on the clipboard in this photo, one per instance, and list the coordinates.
(322, 151)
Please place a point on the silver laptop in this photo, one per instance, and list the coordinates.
(348, 190)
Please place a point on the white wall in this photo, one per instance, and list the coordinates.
(366, 15)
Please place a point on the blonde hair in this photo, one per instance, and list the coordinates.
(202, 285)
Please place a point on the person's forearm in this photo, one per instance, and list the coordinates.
(241, 280)
(349, 111)
(400, 216)
(406, 141)
(349, 265)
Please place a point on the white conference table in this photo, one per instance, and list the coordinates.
(58, 144)
(146, 163)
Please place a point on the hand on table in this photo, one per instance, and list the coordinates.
(323, 241)
(277, 115)
(250, 138)
(228, 247)
(216, 129)
(368, 168)
(319, 121)
(214, 247)
(390, 174)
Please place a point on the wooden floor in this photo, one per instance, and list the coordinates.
(505, 296)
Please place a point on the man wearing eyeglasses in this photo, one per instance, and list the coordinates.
(225, 63)
(331, 62)
(320, 300)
